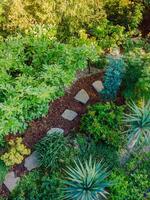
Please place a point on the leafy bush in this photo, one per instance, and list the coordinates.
(119, 189)
(132, 181)
(138, 122)
(86, 181)
(104, 122)
(137, 77)
(68, 17)
(99, 151)
(34, 71)
(16, 153)
(108, 35)
(53, 151)
(113, 78)
(39, 186)
(124, 12)
(3, 171)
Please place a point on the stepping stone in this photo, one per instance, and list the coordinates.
(31, 162)
(55, 130)
(98, 86)
(11, 181)
(82, 96)
(69, 114)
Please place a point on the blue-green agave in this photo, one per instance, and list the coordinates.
(86, 181)
(138, 122)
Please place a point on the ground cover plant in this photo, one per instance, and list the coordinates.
(104, 121)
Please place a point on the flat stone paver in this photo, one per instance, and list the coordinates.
(82, 96)
(98, 86)
(69, 114)
(11, 181)
(31, 162)
(55, 130)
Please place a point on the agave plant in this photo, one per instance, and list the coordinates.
(138, 122)
(86, 181)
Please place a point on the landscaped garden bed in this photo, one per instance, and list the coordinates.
(74, 100)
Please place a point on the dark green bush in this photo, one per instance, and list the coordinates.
(99, 151)
(126, 13)
(137, 77)
(39, 186)
(3, 171)
(131, 182)
(104, 122)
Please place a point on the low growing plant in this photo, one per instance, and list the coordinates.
(104, 122)
(86, 180)
(16, 153)
(39, 185)
(3, 171)
(99, 151)
(53, 151)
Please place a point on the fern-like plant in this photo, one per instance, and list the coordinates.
(138, 122)
(86, 181)
(113, 78)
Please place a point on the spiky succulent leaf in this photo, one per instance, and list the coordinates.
(138, 122)
(86, 181)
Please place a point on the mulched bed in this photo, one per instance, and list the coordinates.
(38, 128)
(145, 25)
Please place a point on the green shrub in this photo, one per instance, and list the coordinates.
(108, 35)
(113, 78)
(86, 181)
(39, 186)
(119, 189)
(99, 151)
(124, 12)
(104, 122)
(21, 16)
(53, 151)
(131, 182)
(34, 71)
(3, 171)
(137, 77)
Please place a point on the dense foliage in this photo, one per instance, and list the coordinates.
(132, 181)
(39, 186)
(33, 72)
(3, 171)
(137, 76)
(66, 15)
(43, 44)
(52, 151)
(104, 122)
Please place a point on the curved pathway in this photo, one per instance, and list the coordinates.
(63, 116)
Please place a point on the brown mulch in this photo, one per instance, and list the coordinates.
(145, 25)
(38, 128)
